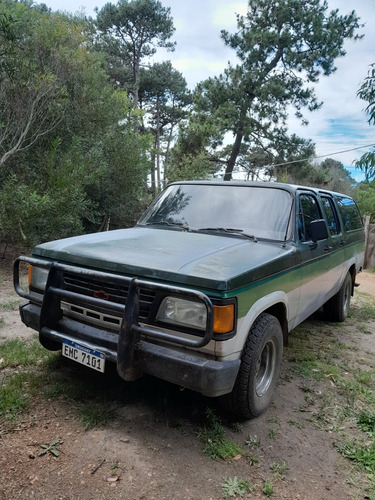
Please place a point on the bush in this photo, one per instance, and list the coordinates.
(28, 217)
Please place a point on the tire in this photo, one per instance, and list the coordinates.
(337, 308)
(259, 370)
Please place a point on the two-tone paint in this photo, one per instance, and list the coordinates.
(289, 279)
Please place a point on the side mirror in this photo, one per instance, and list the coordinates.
(318, 230)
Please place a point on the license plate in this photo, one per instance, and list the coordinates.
(83, 355)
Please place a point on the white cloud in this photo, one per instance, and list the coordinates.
(224, 14)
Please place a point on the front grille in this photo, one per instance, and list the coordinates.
(112, 291)
(96, 318)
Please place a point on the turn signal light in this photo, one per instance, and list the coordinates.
(30, 273)
(224, 318)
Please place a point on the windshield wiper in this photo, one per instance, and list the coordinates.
(181, 225)
(229, 230)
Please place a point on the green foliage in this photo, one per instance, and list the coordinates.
(272, 433)
(118, 188)
(279, 469)
(29, 217)
(164, 95)
(95, 415)
(337, 178)
(16, 352)
(291, 162)
(367, 422)
(367, 92)
(234, 486)
(190, 167)
(267, 488)
(364, 195)
(216, 446)
(252, 441)
(164, 83)
(192, 156)
(16, 392)
(130, 32)
(363, 455)
(9, 306)
(18, 389)
(36, 77)
(330, 174)
(367, 164)
(12, 397)
(281, 47)
(50, 448)
(70, 147)
(366, 309)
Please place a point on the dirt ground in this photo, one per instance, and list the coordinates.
(155, 450)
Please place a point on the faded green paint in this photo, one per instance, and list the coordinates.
(292, 279)
(287, 282)
(228, 266)
(211, 262)
(218, 265)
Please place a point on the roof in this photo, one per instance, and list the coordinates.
(291, 188)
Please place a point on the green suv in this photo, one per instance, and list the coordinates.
(204, 290)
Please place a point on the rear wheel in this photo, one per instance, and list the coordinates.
(337, 308)
(259, 370)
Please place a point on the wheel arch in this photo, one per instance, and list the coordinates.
(352, 271)
(275, 304)
(280, 312)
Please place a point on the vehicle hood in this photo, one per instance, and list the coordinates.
(208, 261)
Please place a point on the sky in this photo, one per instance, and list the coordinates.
(340, 124)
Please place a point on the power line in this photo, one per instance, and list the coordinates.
(324, 156)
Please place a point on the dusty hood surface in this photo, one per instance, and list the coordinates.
(196, 259)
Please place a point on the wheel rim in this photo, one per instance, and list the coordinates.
(265, 371)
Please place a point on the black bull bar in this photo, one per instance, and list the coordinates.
(131, 330)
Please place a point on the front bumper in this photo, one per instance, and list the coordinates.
(185, 368)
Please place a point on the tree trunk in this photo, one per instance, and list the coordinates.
(158, 144)
(167, 154)
(233, 156)
(153, 180)
(136, 80)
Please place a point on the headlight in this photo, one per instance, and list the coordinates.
(192, 314)
(38, 277)
(183, 312)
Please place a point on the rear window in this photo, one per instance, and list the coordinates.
(350, 214)
(330, 211)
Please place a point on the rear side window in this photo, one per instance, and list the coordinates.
(349, 213)
(330, 211)
(308, 211)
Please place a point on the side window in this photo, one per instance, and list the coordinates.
(308, 211)
(330, 211)
(350, 214)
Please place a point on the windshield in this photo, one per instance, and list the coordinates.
(257, 211)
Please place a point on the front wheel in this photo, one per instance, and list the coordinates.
(259, 370)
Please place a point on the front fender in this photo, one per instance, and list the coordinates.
(232, 349)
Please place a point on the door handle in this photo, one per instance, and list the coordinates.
(328, 248)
